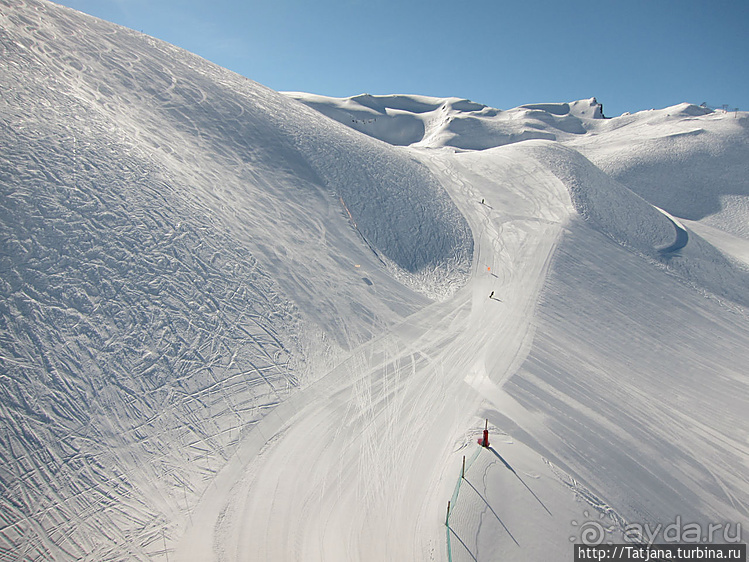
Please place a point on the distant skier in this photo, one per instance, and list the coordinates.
(482, 201)
(491, 295)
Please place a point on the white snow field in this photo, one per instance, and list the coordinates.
(237, 324)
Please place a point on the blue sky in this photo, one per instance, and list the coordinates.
(631, 55)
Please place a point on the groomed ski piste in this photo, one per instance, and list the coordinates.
(237, 324)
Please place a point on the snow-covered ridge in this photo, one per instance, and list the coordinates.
(689, 161)
(460, 123)
(700, 150)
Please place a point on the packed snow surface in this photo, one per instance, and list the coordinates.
(237, 324)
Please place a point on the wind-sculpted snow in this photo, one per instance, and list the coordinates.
(691, 161)
(688, 160)
(395, 123)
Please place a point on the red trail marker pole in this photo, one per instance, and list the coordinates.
(485, 441)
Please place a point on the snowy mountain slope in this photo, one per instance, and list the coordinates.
(689, 160)
(398, 120)
(211, 345)
(643, 387)
(633, 393)
(370, 439)
(460, 123)
(181, 248)
(632, 385)
(627, 360)
(628, 219)
(376, 436)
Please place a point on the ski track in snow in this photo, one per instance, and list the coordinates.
(135, 363)
(394, 407)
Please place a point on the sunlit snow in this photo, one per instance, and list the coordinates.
(237, 324)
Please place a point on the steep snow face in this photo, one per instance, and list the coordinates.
(258, 132)
(181, 248)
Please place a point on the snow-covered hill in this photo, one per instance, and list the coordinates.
(233, 325)
(686, 160)
(181, 248)
(701, 151)
(642, 150)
